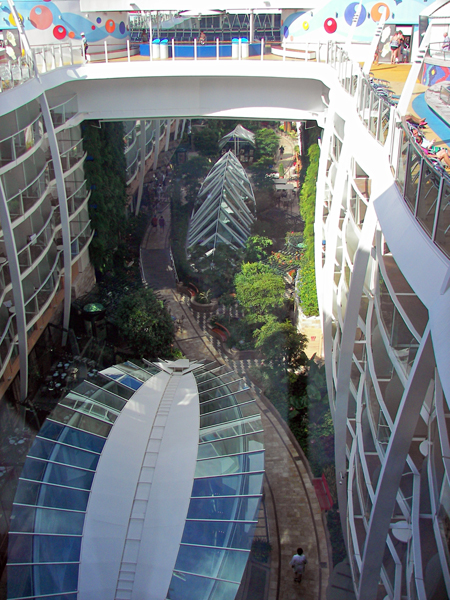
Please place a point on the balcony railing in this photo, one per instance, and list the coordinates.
(8, 347)
(49, 58)
(42, 295)
(64, 111)
(72, 156)
(16, 145)
(14, 72)
(36, 245)
(25, 199)
(77, 198)
(81, 239)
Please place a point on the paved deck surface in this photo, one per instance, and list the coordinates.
(290, 516)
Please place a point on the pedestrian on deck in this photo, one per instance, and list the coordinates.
(446, 42)
(154, 222)
(298, 563)
(161, 223)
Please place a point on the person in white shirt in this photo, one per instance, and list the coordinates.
(446, 42)
(298, 563)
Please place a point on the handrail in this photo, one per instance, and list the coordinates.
(30, 127)
(52, 270)
(35, 239)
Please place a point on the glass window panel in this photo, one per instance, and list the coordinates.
(224, 534)
(228, 486)
(211, 561)
(34, 469)
(19, 581)
(232, 445)
(51, 430)
(82, 439)
(225, 430)
(131, 382)
(80, 421)
(224, 402)
(20, 548)
(56, 548)
(69, 476)
(87, 406)
(135, 371)
(43, 520)
(234, 508)
(54, 497)
(101, 395)
(75, 457)
(189, 587)
(117, 389)
(229, 414)
(49, 579)
(41, 448)
(230, 464)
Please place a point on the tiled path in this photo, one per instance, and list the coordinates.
(293, 514)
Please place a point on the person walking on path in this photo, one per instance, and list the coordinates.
(298, 563)
(154, 222)
(161, 223)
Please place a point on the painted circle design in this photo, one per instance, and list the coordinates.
(122, 27)
(110, 25)
(375, 12)
(350, 13)
(12, 21)
(71, 35)
(59, 32)
(305, 25)
(330, 25)
(41, 17)
(99, 20)
(92, 27)
(285, 31)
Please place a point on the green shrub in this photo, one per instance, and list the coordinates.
(307, 291)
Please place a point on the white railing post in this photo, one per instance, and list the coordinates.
(262, 49)
(284, 49)
(128, 50)
(150, 51)
(195, 48)
(306, 53)
(173, 49)
(217, 48)
(240, 49)
(106, 51)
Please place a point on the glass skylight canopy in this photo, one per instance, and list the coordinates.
(239, 134)
(224, 208)
(49, 531)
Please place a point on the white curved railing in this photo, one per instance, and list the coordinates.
(17, 144)
(24, 200)
(64, 111)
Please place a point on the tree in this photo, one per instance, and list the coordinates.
(266, 141)
(206, 141)
(259, 290)
(145, 324)
(255, 248)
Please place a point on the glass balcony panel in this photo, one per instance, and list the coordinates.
(374, 118)
(65, 111)
(402, 160)
(442, 238)
(428, 197)
(412, 177)
(385, 118)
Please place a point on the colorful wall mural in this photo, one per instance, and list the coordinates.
(434, 74)
(333, 20)
(50, 22)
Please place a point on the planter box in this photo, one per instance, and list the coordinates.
(204, 308)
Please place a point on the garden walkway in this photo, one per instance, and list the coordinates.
(291, 515)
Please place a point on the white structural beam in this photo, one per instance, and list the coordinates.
(143, 139)
(19, 301)
(64, 212)
(393, 466)
(166, 147)
(157, 123)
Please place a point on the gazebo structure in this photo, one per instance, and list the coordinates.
(238, 136)
(144, 482)
(224, 208)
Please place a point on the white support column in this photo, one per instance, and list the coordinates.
(19, 302)
(252, 27)
(393, 466)
(177, 126)
(64, 212)
(346, 355)
(182, 128)
(166, 146)
(142, 169)
(157, 123)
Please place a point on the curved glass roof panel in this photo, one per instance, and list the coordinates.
(223, 212)
(53, 490)
(226, 492)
